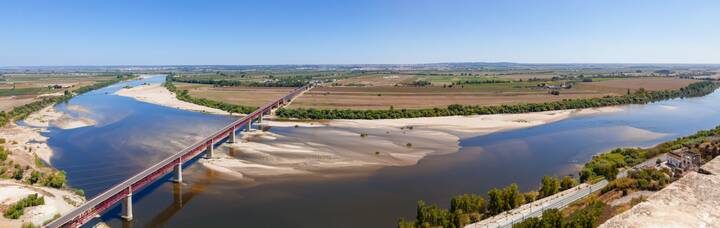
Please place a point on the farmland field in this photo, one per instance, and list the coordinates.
(249, 96)
(382, 91)
(20, 89)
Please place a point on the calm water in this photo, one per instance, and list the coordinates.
(131, 135)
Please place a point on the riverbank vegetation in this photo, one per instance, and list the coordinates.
(470, 208)
(18, 209)
(589, 212)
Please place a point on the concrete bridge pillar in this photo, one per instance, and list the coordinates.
(178, 172)
(210, 149)
(231, 138)
(127, 206)
(248, 125)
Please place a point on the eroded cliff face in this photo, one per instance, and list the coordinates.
(691, 201)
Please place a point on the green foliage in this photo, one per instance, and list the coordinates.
(432, 215)
(421, 83)
(496, 201)
(16, 210)
(281, 82)
(549, 186)
(567, 182)
(646, 179)
(78, 191)
(531, 196)
(586, 217)
(467, 203)
(38, 162)
(481, 81)
(35, 176)
(3, 154)
(18, 173)
(638, 97)
(56, 180)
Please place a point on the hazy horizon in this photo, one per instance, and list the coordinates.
(137, 33)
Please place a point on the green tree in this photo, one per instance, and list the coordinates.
(495, 201)
(467, 203)
(512, 197)
(530, 196)
(567, 183)
(552, 218)
(550, 186)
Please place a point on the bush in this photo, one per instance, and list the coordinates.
(56, 180)
(3, 154)
(16, 210)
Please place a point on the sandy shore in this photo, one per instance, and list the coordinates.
(56, 202)
(50, 117)
(157, 94)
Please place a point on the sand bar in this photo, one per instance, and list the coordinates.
(334, 147)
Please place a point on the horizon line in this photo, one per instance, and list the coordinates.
(359, 64)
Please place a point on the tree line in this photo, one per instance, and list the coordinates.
(281, 82)
(469, 208)
(640, 96)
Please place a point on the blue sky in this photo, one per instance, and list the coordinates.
(369, 31)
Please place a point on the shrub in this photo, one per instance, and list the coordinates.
(17, 209)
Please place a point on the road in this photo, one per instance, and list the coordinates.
(535, 209)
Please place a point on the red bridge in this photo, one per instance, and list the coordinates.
(123, 191)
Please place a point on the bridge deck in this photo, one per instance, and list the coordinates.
(110, 197)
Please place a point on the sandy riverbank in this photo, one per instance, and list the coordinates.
(57, 201)
(24, 143)
(29, 139)
(337, 147)
(49, 116)
(157, 94)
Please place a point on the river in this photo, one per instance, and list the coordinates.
(131, 135)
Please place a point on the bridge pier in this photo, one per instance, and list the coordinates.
(248, 125)
(231, 138)
(178, 173)
(127, 206)
(210, 150)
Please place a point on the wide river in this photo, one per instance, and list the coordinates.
(131, 135)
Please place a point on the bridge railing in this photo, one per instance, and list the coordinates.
(108, 198)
